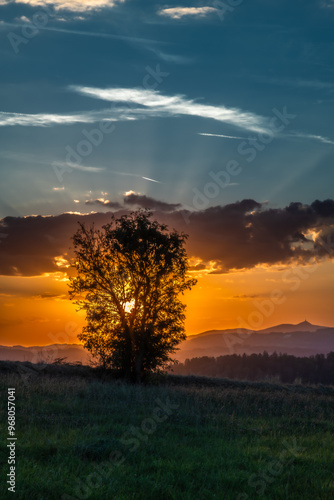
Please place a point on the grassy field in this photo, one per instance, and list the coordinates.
(176, 438)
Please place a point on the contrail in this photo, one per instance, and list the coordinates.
(129, 174)
(152, 180)
(220, 135)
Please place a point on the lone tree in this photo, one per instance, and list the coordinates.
(129, 277)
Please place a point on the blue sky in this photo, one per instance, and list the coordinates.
(157, 75)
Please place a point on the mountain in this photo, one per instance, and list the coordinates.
(305, 326)
(72, 352)
(303, 339)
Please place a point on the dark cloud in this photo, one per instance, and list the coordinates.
(144, 201)
(240, 235)
(245, 234)
(33, 243)
(104, 203)
(324, 208)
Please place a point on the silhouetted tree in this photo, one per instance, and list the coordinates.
(129, 277)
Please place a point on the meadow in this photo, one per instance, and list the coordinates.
(84, 435)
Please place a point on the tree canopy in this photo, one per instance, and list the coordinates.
(129, 277)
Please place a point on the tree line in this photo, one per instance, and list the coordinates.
(285, 368)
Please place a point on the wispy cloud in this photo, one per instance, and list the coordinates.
(296, 82)
(179, 12)
(49, 119)
(71, 5)
(327, 4)
(298, 135)
(156, 104)
(314, 137)
(81, 168)
(98, 34)
(141, 104)
(170, 58)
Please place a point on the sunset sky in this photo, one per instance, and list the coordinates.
(218, 116)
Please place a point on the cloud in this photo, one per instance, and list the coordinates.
(33, 243)
(313, 137)
(241, 235)
(244, 234)
(153, 103)
(144, 201)
(179, 12)
(52, 119)
(131, 39)
(170, 58)
(104, 203)
(327, 4)
(70, 5)
(297, 82)
(141, 104)
(60, 164)
(40, 119)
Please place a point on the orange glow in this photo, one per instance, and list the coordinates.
(261, 297)
(37, 311)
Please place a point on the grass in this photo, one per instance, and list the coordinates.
(186, 438)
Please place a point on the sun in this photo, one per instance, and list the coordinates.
(129, 306)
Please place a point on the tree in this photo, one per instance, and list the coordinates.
(129, 278)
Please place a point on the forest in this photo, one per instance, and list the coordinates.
(285, 368)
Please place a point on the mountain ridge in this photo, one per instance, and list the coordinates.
(282, 328)
(302, 339)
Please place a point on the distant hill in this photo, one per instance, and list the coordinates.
(303, 339)
(305, 326)
(35, 354)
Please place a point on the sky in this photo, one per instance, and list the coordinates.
(215, 115)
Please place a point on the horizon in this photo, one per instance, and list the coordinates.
(189, 335)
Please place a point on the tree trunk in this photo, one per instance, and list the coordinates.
(138, 368)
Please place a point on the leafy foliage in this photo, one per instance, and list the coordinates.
(129, 277)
